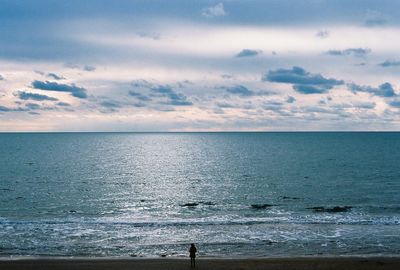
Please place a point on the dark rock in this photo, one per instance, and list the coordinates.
(190, 204)
(290, 198)
(261, 206)
(72, 211)
(338, 209)
(163, 255)
(317, 208)
(207, 203)
(335, 209)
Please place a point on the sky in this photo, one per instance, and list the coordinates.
(191, 65)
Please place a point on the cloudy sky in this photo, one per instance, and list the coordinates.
(194, 65)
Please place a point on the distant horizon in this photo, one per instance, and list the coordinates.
(226, 131)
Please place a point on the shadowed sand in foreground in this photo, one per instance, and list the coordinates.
(206, 263)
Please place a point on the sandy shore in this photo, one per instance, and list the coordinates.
(205, 263)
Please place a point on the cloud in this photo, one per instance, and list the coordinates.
(75, 91)
(290, 99)
(76, 66)
(243, 91)
(357, 52)
(239, 90)
(309, 89)
(151, 35)
(63, 104)
(55, 76)
(227, 76)
(248, 53)
(33, 96)
(375, 18)
(322, 34)
(303, 82)
(160, 91)
(176, 99)
(141, 83)
(1, 77)
(390, 63)
(214, 11)
(225, 105)
(365, 105)
(395, 103)
(139, 96)
(110, 105)
(383, 90)
(32, 106)
(4, 109)
(89, 68)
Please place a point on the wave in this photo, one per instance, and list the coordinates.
(218, 221)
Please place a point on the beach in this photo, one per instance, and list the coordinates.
(321, 263)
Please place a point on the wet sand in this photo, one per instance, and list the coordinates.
(342, 263)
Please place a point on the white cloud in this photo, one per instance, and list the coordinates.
(214, 11)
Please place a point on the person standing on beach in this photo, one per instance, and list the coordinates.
(192, 254)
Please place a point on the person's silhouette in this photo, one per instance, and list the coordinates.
(192, 252)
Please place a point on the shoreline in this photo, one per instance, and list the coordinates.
(306, 262)
(128, 258)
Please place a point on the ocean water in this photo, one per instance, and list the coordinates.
(233, 194)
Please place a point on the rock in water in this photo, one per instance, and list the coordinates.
(261, 206)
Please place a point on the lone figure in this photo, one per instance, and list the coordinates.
(192, 252)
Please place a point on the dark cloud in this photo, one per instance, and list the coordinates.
(375, 18)
(365, 105)
(139, 96)
(359, 105)
(309, 89)
(390, 63)
(110, 104)
(303, 81)
(55, 76)
(225, 105)
(151, 35)
(39, 72)
(176, 99)
(63, 104)
(89, 68)
(32, 106)
(322, 34)
(243, 91)
(33, 96)
(248, 53)
(358, 52)
(75, 91)
(272, 106)
(383, 90)
(375, 22)
(4, 109)
(76, 66)
(165, 92)
(395, 103)
(227, 76)
(141, 83)
(239, 90)
(290, 99)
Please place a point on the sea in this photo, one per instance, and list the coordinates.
(245, 194)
